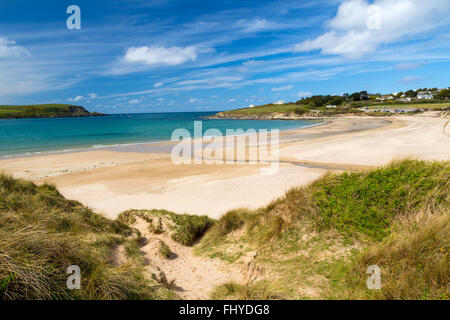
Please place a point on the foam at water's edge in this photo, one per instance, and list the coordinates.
(96, 147)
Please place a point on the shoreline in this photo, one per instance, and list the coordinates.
(144, 177)
(120, 145)
(286, 116)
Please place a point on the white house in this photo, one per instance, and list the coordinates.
(382, 98)
(251, 106)
(279, 102)
(424, 95)
(331, 106)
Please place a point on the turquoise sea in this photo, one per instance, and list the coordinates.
(28, 136)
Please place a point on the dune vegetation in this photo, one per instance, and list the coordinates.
(183, 228)
(318, 241)
(314, 243)
(42, 234)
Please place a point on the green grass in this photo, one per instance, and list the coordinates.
(305, 110)
(185, 229)
(360, 203)
(43, 111)
(270, 108)
(42, 233)
(260, 290)
(367, 202)
(318, 240)
(290, 108)
(229, 222)
(414, 260)
(164, 250)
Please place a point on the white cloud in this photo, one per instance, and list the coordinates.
(192, 100)
(156, 55)
(158, 84)
(288, 87)
(359, 27)
(304, 94)
(256, 25)
(410, 79)
(249, 63)
(92, 95)
(9, 49)
(160, 99)
(19, 78)
(232, 100)
(134, 101)
(77, 98)
(408, 66)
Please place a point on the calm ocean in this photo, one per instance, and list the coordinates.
(28, 136)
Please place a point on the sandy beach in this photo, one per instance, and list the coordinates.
(111, 180)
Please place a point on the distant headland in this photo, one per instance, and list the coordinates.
(45, 111)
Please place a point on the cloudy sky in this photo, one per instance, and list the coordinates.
(186, 55)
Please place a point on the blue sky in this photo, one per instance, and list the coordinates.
(185, 55)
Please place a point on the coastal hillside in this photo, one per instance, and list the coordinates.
(42, 234)
(316, 242)
(356, 104)
(45, 111)
(290, 111)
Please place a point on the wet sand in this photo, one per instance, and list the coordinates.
(113, 179)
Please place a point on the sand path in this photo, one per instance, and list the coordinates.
(194, 277)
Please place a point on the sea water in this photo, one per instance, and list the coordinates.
(30, 136)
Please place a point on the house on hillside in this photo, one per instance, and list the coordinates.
(251, 106)
(424, 95)
(331, 106)
(383, 98)
(279, 102)
(405, 99)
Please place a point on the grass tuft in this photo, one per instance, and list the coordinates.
(414, 260)
(164, 250)
(261, 290)
(185, 229)
(359, 203)
(42, 234)
(367, 202)
(318, 240)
